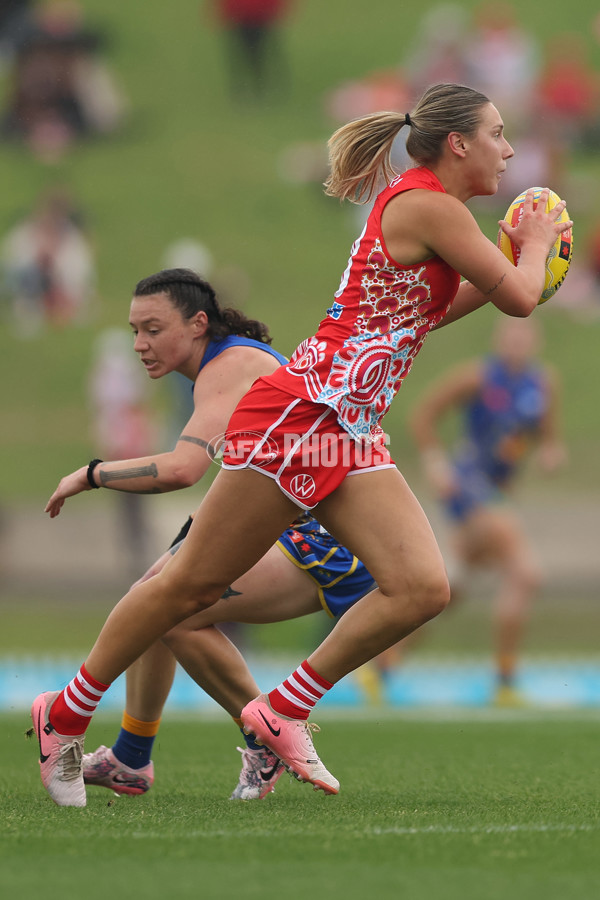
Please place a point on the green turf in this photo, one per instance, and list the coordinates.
(454, 809)
(459, 808)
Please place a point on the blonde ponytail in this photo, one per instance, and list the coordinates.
(359, 152)
(359, 156)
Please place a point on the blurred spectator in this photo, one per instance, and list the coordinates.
(438, 53)
(564, 115)
(60, 90)
(569, 90)
(123, 428)
(188, 253)
(537, 161)
(307, 162)
(14, 17)
(48, 267)
(594, 255)
(382, 89)
(256, 60)
(230, 281)
(580, 298)
(503, 61)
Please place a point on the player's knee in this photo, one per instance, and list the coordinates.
(433, 594)
(173, 639)
(525, 576)
(531, 579)
(427, 595)
(192, 594)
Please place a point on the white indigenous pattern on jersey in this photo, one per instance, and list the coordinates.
(365, 373)
(382, 313)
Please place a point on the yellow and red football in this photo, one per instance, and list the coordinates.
(559, 258)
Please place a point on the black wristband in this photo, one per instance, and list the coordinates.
(90, 472)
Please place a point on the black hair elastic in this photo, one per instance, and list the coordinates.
(407, 119)
(90, 472)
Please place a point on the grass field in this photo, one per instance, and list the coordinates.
(456, 807)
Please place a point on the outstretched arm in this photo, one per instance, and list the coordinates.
(217, 391)
(449, 393)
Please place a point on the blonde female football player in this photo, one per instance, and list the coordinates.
(402, 280)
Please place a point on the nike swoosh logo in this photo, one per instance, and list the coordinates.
(268, 774)
(272, 730)
(124, 778)
(43, 756)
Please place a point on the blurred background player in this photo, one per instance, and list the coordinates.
(123, 427)
(48, 265)
(507, 402)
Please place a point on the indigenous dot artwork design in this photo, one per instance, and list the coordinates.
(394, 316)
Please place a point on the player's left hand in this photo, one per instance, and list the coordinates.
(536, 224)
(552, 455)
(68, 486)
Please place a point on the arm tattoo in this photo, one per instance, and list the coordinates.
(125, 474)
(200, 442)
(229, 592)
(497, 285)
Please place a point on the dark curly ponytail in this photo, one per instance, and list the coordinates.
(190, 294)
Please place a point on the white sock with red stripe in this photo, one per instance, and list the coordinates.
(296, 696)
(73, 709)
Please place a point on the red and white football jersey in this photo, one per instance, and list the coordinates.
(380, 316)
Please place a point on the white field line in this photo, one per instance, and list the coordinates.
(360, 834)
(395, 830)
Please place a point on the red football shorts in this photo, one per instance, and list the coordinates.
(298, 443)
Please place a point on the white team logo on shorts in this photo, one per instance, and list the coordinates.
(302, 486)
(243, 446)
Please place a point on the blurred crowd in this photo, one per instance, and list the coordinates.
(59, 86)
(548, 93)
(58, 90)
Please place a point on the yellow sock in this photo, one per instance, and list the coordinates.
(136, 726)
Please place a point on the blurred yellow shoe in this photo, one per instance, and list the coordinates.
(371, 683)
(509, 697)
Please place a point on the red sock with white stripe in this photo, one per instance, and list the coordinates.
(73, 709)
(296, 696)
